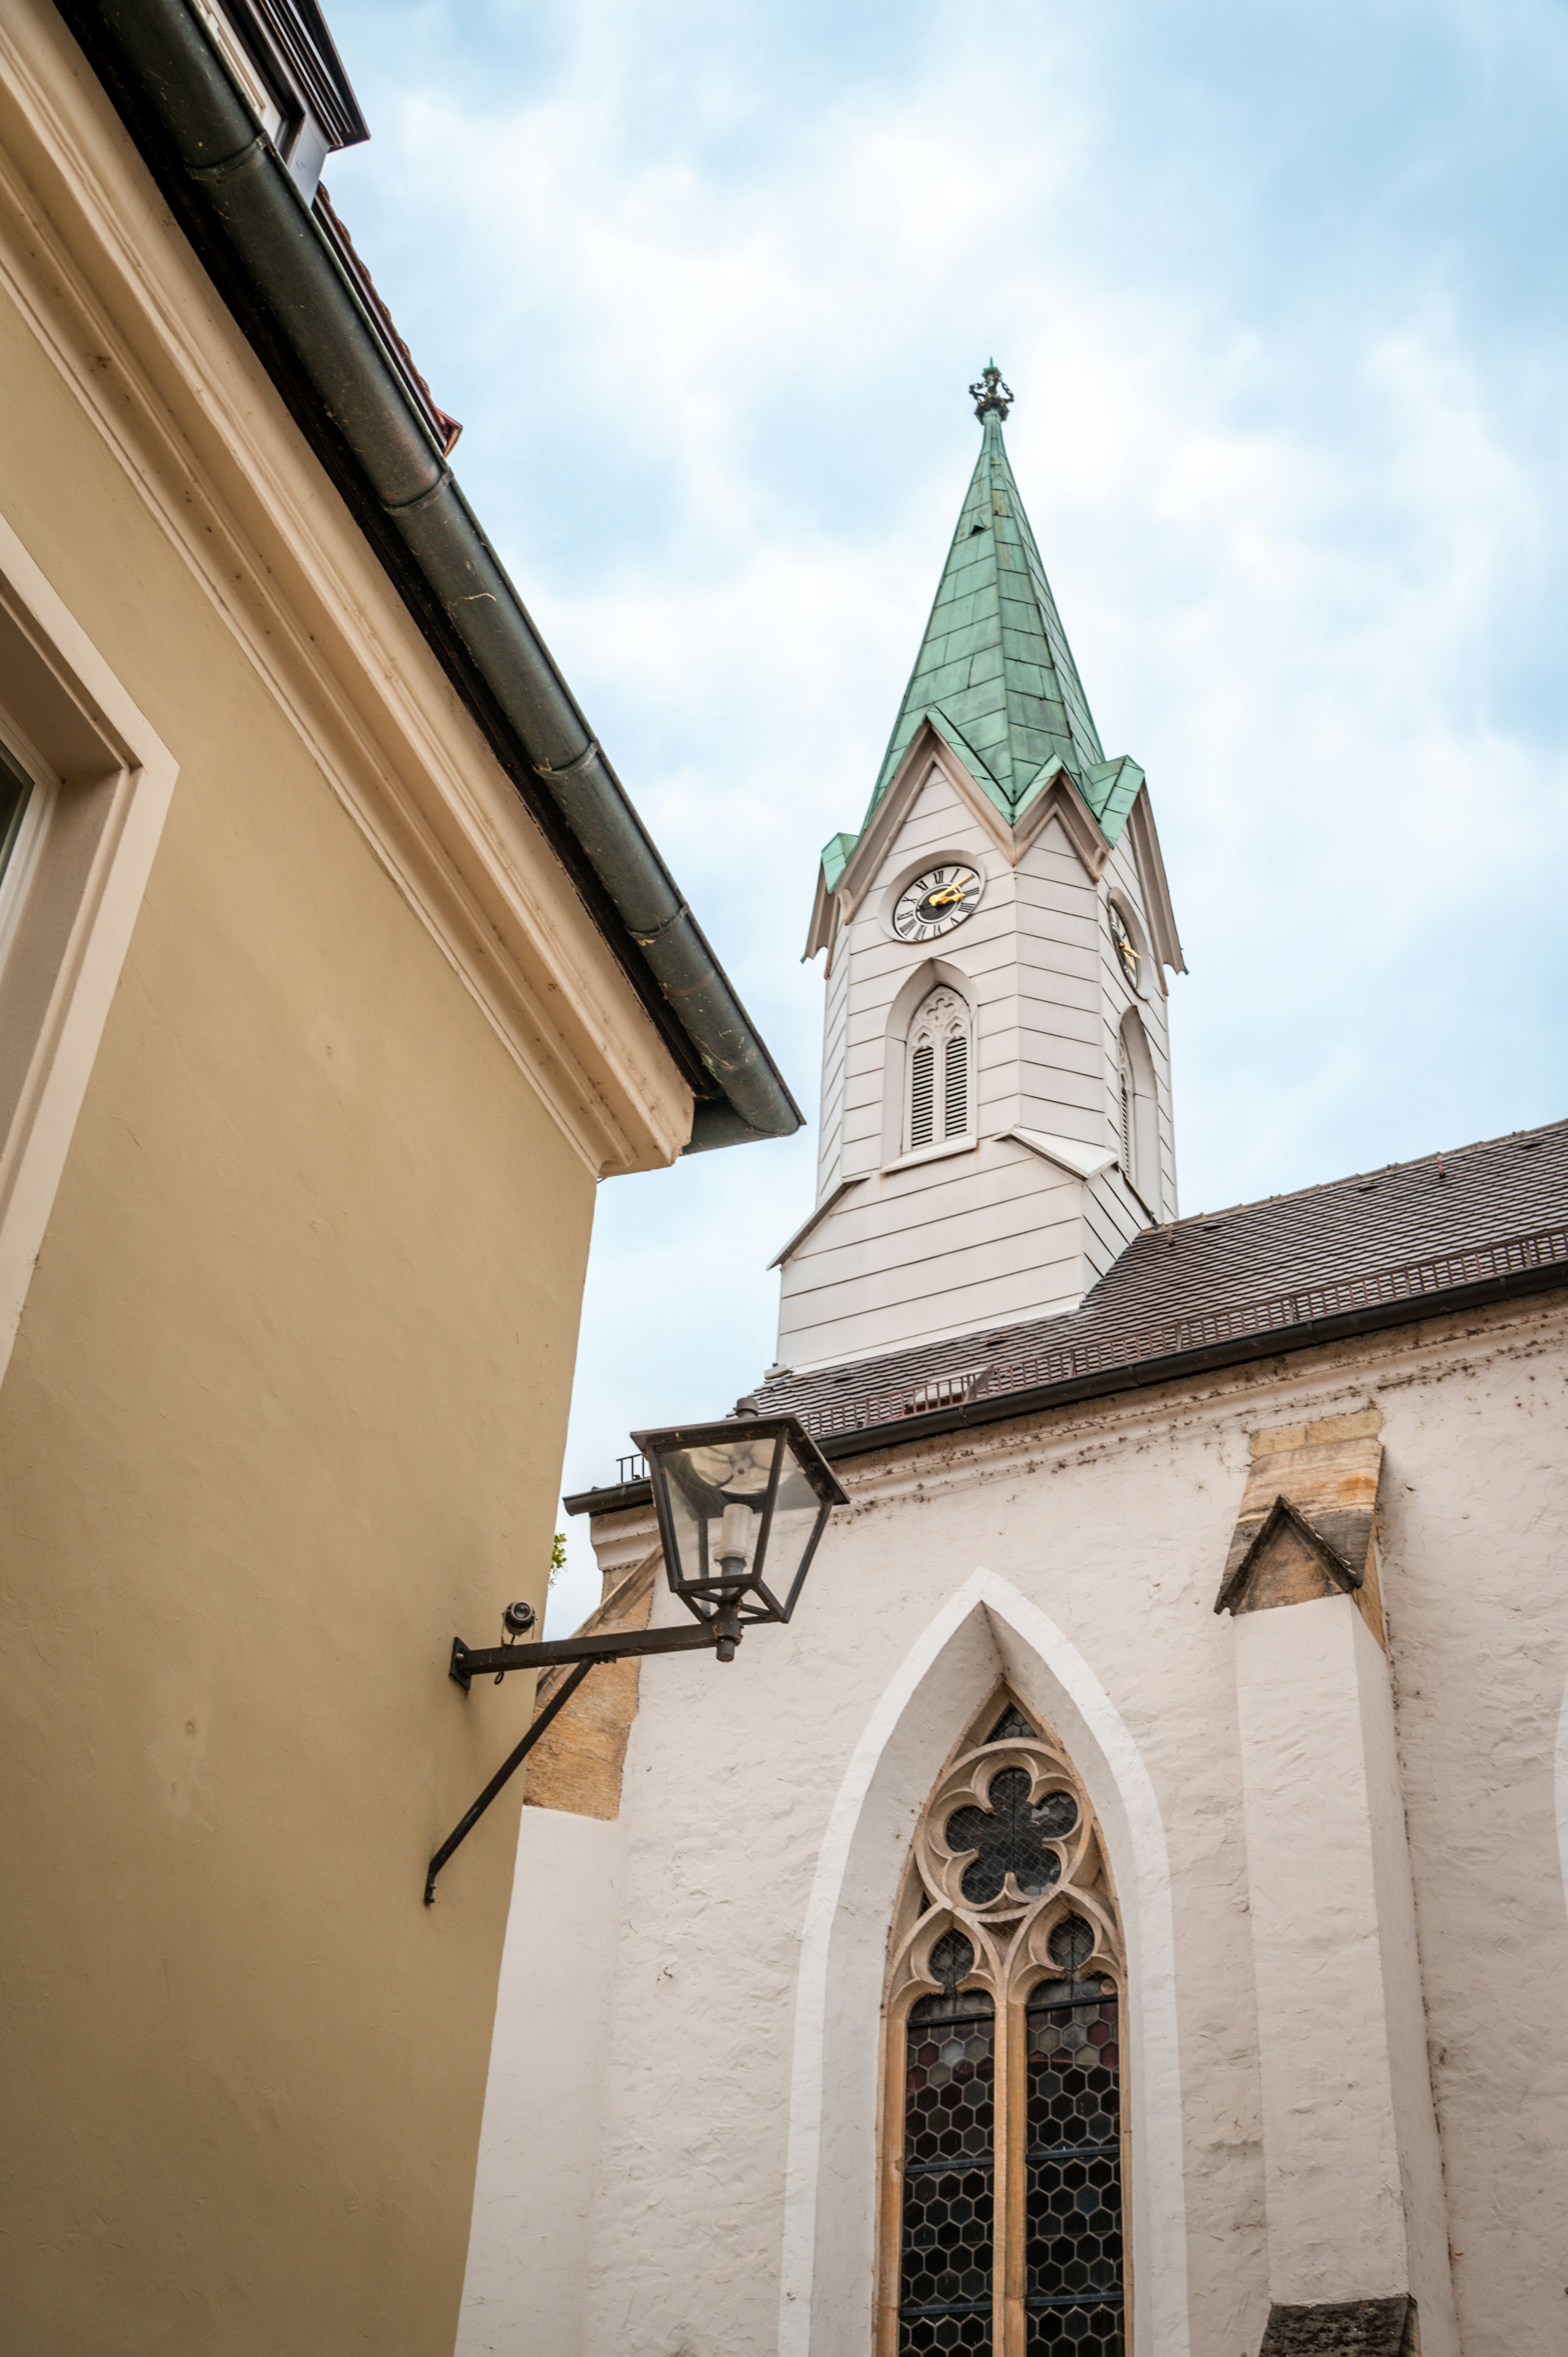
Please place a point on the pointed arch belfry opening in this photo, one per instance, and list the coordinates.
(930, 1085)
(1000, 2195)
(938, 1072)
(1138, 1110)
(987, 1631)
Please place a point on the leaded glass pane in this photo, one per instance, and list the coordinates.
(1074, 2289)
(1012, 1727)
(1010, 1837)
(716, 1495)
(946, 2256)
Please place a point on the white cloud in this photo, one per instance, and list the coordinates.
(711, 322)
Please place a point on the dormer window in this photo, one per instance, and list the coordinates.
(939, 1090)
(280, 58)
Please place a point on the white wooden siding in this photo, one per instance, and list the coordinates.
(965, 1241)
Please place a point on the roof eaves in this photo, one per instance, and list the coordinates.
(269, 260)
(1138, 1374)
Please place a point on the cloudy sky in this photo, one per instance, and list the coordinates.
(1280, 285)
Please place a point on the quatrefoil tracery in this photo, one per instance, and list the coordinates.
(1006, 1851)
(1005, 1825)
(1014, 1836)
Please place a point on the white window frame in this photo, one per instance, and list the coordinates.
(1137, 1114)
(103, 780)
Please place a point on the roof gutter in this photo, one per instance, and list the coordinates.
(271, 260)
(1134, 1374)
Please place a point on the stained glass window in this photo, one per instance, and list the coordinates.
(1012, 1834)
(1010, 1852)
(1074, 2295)
(947, 2258)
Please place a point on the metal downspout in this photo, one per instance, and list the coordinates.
(169, 59)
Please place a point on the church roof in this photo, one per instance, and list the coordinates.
(995, 673)
(1380, 1248)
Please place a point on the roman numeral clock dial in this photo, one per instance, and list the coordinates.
(935, 902)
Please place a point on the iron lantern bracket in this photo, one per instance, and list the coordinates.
(470, 1662)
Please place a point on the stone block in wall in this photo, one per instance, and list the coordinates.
(1307, 1525)
(1348, 2328)
(576, 1765)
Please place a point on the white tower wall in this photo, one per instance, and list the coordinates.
(1020, 1217)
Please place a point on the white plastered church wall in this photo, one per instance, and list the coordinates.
(730, 1794)
(1352, 2169)
(1113, 1522)
(1473, 1525)
(528, 2247)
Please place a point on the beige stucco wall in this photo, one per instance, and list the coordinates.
(285, 1411)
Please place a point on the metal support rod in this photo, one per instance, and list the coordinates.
(507, 1769)
(468, 1663)
(479, 1661)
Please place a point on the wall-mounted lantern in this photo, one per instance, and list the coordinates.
(741, 1506)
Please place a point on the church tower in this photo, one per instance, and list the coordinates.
(996, 1115)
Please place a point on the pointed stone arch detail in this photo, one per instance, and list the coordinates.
(988, 1630)
(1007, 1929)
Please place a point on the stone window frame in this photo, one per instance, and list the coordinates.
(1010, 1937)
(103, 780)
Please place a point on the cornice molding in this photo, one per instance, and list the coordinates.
(1157, 891)
(830, 1202)
(1303, 1387)
(130, 320)
(1326, 1380)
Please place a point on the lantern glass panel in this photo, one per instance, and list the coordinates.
(797, 1512)
(717, 1492)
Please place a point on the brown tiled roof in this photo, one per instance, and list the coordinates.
(445, 429)
(1380, 1248)
(1178, 1287)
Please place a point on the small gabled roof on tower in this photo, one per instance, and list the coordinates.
(995, 673)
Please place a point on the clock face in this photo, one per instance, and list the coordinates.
(935, 902)
(1125, 952)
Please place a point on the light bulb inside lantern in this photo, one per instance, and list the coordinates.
(735, 1537)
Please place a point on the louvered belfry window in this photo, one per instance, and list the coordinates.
(955, 1092)
(1005, 2140)
(922, 1092)
(939, 1071)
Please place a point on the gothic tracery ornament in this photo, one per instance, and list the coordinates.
(1006, 1849)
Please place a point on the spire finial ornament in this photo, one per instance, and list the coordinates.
(990, 393)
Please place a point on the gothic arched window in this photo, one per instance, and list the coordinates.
(1137, 1110)
(938, 1070)
(1124, 1106)
(1004, 2139)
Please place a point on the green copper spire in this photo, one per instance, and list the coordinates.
(995, 673)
